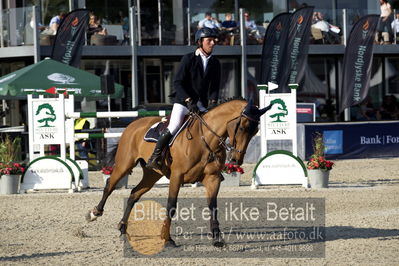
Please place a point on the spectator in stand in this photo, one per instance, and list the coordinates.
(229, 26)
(209, 22)
(252, 29)
(94, 28)
(55, 22)
(385, 21)
(249, 24)
(329, 31)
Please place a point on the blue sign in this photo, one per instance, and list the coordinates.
(356, 140)
(333, 141)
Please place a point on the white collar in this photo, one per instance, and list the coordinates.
(199, 52)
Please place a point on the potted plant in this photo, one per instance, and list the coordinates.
(107, 171)
(318, 167)
(10, 169)
(232, 174)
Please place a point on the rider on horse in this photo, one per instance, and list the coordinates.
(197, 81)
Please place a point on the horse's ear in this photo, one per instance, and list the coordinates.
(264, 110)
(247, 109)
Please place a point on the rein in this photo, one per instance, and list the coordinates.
(221, 139)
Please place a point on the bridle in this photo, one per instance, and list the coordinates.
(222, 141)
(234, 149)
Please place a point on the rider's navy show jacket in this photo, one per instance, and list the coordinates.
(191, 81)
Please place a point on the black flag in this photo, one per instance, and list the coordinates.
(296, 54)
(70, 38)
(357, 62)
(274, 45)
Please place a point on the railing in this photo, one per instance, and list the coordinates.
(17, 27)
(177, 26)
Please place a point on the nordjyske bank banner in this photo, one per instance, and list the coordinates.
(356, 140)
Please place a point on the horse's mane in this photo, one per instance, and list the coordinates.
(222, 101)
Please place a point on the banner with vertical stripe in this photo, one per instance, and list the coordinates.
(70, 38)
(357, 62)
(274, 45)
(296, 55)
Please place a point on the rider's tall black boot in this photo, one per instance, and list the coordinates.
(155, 161)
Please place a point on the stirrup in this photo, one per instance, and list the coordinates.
(154, 163)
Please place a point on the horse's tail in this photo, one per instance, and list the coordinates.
(109, 159)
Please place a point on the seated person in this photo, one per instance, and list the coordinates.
(252, 29)
(229, 27)
(94, 28)
(209, 22)
(55, 23)
(229, 24)
(249, 24)
(329, 31)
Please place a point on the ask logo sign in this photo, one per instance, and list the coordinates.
(279, 123)
(279, 110)
(47, 121)
(45, 115)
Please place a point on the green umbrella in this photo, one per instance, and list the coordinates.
(50, 77)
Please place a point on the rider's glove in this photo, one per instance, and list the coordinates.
(192, 107)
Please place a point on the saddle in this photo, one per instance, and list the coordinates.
(155, 130)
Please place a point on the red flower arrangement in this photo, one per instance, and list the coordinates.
(319, 163)
(107, 170)
(317, 160)
(230, 168)
(11, 169)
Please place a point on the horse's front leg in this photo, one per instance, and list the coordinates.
(174, 187)
(212, 184)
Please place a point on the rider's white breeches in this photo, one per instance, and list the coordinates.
(179, 111)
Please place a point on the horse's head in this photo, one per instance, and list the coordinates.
(241, 129)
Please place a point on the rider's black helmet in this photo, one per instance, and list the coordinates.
(206, 33)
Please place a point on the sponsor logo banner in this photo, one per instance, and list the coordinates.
(333, 141)
(356, 140)
(70, 37)
(357, 61)
(296, 55)
(274, 45)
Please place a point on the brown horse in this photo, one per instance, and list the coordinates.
(198, 154)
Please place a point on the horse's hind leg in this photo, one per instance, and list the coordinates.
(119, 171)
(147, 182)
(212, 184)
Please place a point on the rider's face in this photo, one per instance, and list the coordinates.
(208, 44)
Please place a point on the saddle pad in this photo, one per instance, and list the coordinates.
(155, 130)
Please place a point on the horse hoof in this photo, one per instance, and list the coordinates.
(93, 215)
(122, 227)
(90, 217)
(218, 242)
(170, 244)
